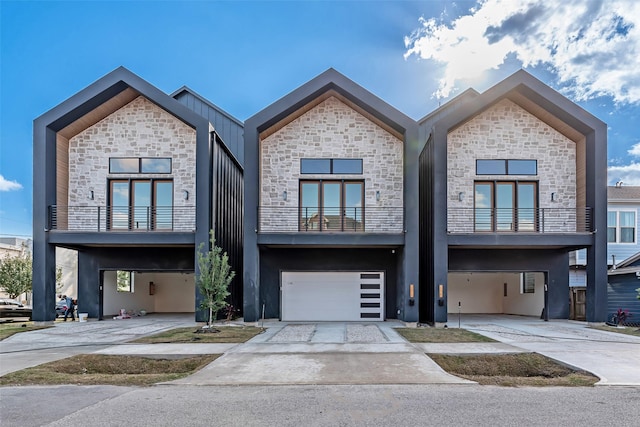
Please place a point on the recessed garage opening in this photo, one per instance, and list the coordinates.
(496, 293)
(148, 292)
(332, 296)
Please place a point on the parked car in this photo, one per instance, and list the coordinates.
(13, 308)
(61, 307)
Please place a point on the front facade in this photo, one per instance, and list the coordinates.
(327, 188)
(122, 175)
(334, 205)
(511, 180)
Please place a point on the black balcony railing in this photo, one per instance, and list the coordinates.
(122, 218)
(499, 220)
(280, 219)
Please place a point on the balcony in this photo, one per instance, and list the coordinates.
(122, 218)
(521, 221)
(330, 220)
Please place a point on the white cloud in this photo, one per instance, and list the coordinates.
(634, 150)
(6, 185)
(628, 174)
(592, 46)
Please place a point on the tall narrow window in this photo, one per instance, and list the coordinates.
(505, 206)
(124, 281)
(527, 283)
(627, 227)
(331, 206)
(612, 226)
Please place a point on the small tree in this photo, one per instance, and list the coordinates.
(214, 278)
(16, 275)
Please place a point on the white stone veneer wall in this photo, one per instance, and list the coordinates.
(331, 130)
(506, 131)
(139, 129)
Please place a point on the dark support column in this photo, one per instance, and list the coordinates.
(251, 253)
(408, 273)
(88, 285)
(557, 296)
(440, 241)
(44, 195)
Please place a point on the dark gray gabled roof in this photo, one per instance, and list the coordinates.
(523, 84)
(330, 80)
(623, 193)
(106, 88)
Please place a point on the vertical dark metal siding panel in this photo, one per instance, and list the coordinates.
(228, 215)
(426, 270)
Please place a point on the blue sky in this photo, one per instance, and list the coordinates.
(244, 55)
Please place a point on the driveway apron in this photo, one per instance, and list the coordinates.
(323, 353)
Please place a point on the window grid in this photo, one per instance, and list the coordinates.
(138, 165)
(331, 166)
(506, 167)
(621, 227)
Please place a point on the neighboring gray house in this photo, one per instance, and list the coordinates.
(622, 289)
(623, 203)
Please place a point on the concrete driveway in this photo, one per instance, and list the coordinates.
(324, 353)
(613, 357)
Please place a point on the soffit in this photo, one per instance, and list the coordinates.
(99, 113)
(542, 114)
(317, 101)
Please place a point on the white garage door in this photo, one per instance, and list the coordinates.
(332, 296)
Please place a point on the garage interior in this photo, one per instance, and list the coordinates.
(150, 292)
(496, 293)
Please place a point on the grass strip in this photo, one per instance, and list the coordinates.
(94, 369)
(8, 329)
(627, 330)
(512, 370)
(441, 335)
(226, 334)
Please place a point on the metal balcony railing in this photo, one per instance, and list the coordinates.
(499, 220)
(277, 219)
(122, 218)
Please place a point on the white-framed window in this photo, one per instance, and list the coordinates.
(621, 226)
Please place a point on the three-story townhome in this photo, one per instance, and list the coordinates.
(512, 180)
(133, 180)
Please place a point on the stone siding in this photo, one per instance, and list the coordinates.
(331, 130)
(506, 131)
(139, 129)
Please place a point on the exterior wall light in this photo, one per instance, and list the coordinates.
(284, 195)
(554, 197)
(185, 194)
(91, 195)
(377, 195)
(461, 196)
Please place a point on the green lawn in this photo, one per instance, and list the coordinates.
(627, 330)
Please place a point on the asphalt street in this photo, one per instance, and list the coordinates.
(324, 405)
